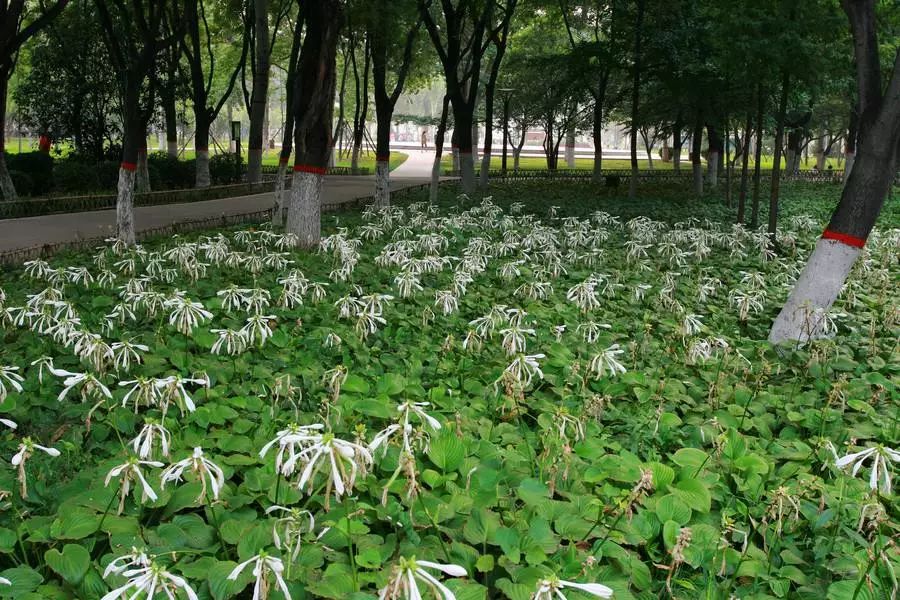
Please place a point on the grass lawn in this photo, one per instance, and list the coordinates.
(540, 163)
(529, 394)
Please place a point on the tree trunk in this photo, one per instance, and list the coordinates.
(696, 147)
(171, 118)
(570, 148)
(745, 163)
(260, 92)
(278, 209)
(776, 165)
(313, 108)
(462, 129)
(714, 143)
(201, 147)
(635, 98)
(142, 179)
(362, 106)
(757, 155)
(821, 144)
(438, 150)
(383, 155)
(597, 173)
(7, 189)
(850, 143)
(132, 132)
(676, 144)
(648, 148)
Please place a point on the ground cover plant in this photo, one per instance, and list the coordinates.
(545, 394)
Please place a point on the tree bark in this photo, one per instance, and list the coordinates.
(570, 148)
(438, 150)
(696, 147)
(864, 193)
(745, 163)
(362, 105)
(850, 142)
(287, 135)
(313, 110)
(597, 172)
(715, 145)
(776, 165)
(635, 98)
(260, 92)
(676, 144)
(7, 189)
(757, 155)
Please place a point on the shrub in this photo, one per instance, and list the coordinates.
(75, 176)
(225, 169)
(612, 181)
(108, 174)
(23, 182)
(37, 165)
(167, 172)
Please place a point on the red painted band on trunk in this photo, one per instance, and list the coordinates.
(844, 238)
(129, 166)
(383, 157)
(283, 160)
(309, 169)
(201, 149)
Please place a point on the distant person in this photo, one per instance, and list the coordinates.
(424, 139)
(44, 143)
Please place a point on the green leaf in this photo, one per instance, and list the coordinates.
(671, 508)
(691, 458)
(71, 564)
(533, 492)
(663, 475)
(693, 493)
(75, 524)
(22, 580)
(391, 384)
(447, 451)
(356, 384)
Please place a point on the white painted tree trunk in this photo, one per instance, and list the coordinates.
(172, 148)
(7, 189)
(849, 157)
(142, 182)
(467, 172)
(304, 215)
(435, 178)
(382, 184)
(125, 206)
(570, 149)
(816, 290)
(278, 210)
(354, 160)
(484, 174)
(516, 155)
(712, 167)
(454, 155)
(201, 169)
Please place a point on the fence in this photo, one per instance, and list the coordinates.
(661, 175)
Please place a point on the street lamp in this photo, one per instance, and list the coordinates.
(507, 94)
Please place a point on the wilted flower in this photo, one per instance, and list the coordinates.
(26, 448)
(186, 315)
(144, 442)
(263, 564)
(130, 471)
(606, 362)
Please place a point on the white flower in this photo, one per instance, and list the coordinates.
(151, 579)
(130, 471)
(203, 468)
(143, 443)
(257, 329)
(405, 410)
(549, 589)
(407, 574)
(144, 390)
(186, 315)
(233, 341)
(121, 563)
(172, 389)
(514, 339)
(523, 369)
(606, 362)
(881, 456)
(446, 300)
(12, 378)
(263, 564)
(26, 448)
(125, 353)
(290, 441)
(342, 459)
(90, 385)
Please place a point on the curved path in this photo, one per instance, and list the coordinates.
(28, 232)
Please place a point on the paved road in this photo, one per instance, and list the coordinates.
(17, 234)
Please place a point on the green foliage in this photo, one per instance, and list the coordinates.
(225, 169)
(36, 165)
(714, 468)
(71, 175)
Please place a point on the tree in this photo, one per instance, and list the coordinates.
(458, 31)
(866, 188)
(498, 38)
(361, 87)
(260, 54)
(287, 134)
(19, 22)
(198, 42)
(133, 38)
(313, 108)
(394, 54)
(67, 89)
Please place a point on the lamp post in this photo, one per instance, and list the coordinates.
(507, 94)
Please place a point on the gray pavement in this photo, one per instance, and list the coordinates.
(27, 232)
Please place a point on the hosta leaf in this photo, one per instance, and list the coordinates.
(693, 493)
(72, 563)
(447, 451)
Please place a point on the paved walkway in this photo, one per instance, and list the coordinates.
(27, 232)
(418, 164)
